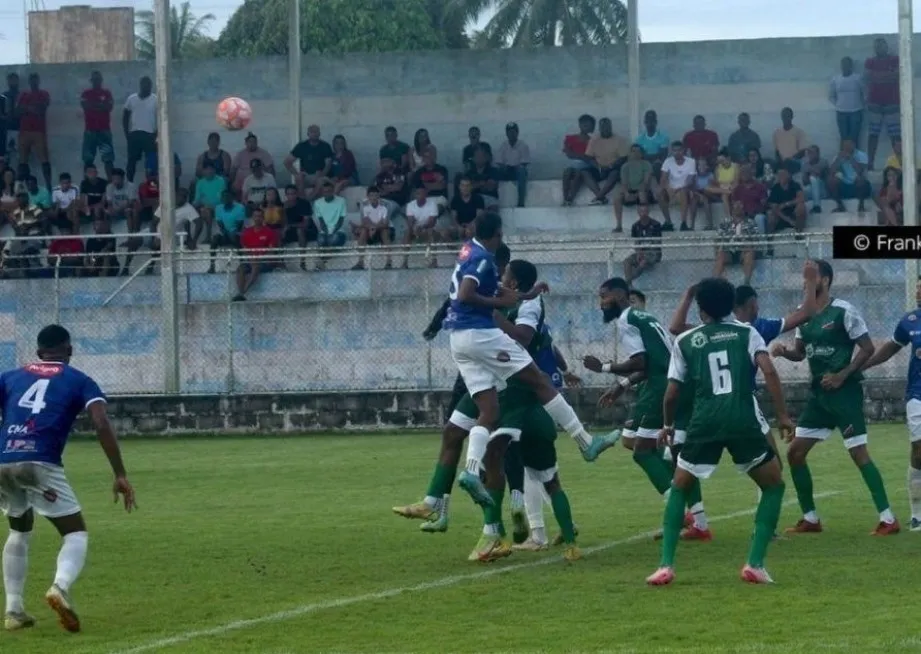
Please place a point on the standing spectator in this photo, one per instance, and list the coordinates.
(881, 75)
(139, 120)
(92, 191)
(574, 147)
(743, 140)
(752, 195)
(97, 103)
(790, 143)
(815, 171)
(761, 170)
(890, 198)
(700, 142)
(635, 185)
(257, 241)
(393, 185)
(229, 217)
(209, 192)
(299, 225)
(38, 195)
(473, 134)
(512, 161)
(466, 207)
(421, 143)
(243, 160)
(433, 177)
(374, 228)
(185, 218)
(315, 161)
(787, 204)
(121, 201)
(101, 260)
(11, 121)
(329, 214)
(32, 109)
(608, 152)
(485, 179)
(218, 159)
(66, 254)
(421, 222)
(344, 170)
(647, 236)
(677, 181)
(736, 234)
(64, 203)
(256, 184)
(846, 93)
(396, 150)
(654, 143)
(847, 177)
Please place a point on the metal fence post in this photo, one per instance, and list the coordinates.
(57, 291)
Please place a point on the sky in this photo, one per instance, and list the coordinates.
(660, 20)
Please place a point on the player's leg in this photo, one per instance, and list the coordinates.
(15, 505)
(759, 461)
(913, 418)
(697, 527)
(492, 545)
(538, 454)
(647, 423)
(514, 475)
(815, 425)
(534, 498)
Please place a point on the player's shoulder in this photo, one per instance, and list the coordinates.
(843, 305)
(692, 336)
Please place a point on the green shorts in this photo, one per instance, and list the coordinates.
(683, 414)
(646, 419)
(828, 410)
(747, 452)
(538, 445)
(516, 404)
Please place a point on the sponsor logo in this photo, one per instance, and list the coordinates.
(45, 369)
(912, 317)
(465, 252)
(699, 340)
(829, 325)
(810, 350)
(918, 353)
(19, 445)
(20, 430)
(503, 357)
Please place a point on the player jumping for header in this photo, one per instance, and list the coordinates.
(40, 403)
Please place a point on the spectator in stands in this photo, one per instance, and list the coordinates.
(344, 170)
(790, 143)
(846, 93)
(243, 161)
(787, 204)
(761, 170)
(847, 177)
(121, 200)
(273, 211)
(315, 161)
(8, 192)
(726, 177)
(92, 192)
(512, 161)
(229, 217)
(635, 185)
(149, 199)
(743, 140)
(185, 217)
(299, 225)
(393, 185)
(637, 299)
(467, 162)
(881, 76)
(655, 144)
(421, 143)
(677, 180)
(736, 234)
(97, 103)
(889, 199)
(396, 150)
(218, 159)
(38, 195)
(26, 220)
(421, 222)
(329, 214)
(700, 142)
(139, 120)
(66, 254)
(704, 193)
(257, 241)
(574, 147)
(65, 203)
(32, 109)
(895, 159)
(433, 177)
(255, 186)
(374, 228)
(101, 260)
(608, 152)
(647, 235)
(152, 162)
(11, 121)
(485, 179)
(209, 191)
(815, 172)
(752, 195)
(466, 207)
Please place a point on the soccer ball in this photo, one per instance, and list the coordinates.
(234, 113)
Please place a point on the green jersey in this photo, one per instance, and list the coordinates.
(829, 337)
(531, 313)
(640, 333)
(716, 360)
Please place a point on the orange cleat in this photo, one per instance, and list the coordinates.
(886, 529)
(753, 575)
(693, 533)
(688, 519)
(804, 527)
(661, 577)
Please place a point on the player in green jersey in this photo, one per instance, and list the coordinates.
(827, 340)
(716, 360)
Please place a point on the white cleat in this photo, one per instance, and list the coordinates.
(17, 620)
(755, 575)
(60, 603)
(530, 545)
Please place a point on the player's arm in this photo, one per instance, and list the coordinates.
(758, 353)
(437, 320)
(795, 354)
(467, 294)
(808, 307)
(109, 443)
(679, 323)
(860, 335)
(900, 338)
(521, 332)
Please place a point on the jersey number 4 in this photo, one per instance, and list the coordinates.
(34, 398)
(720, 377)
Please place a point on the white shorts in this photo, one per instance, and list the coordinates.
(541, 476)
(913, 418)
(486, 358)
(35, 485)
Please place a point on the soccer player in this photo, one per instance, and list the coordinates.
(827, 340)
(716, 361)
(908, 332)
(40, 402)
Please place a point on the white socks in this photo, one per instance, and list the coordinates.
(15, 566)
(533, 502)
(812, 517)
(563, 415)
(517, 500)
(477, 442)
(71, 559)
(914, 492)
(700, 517)
(887, 516)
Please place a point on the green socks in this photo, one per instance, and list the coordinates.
(514, 467)
(802, 481)
(766, 518)
(563, 514)
(694, 496)
(442, 480)
(874, 482)
(671, 525)
(492, 515)
(655, 468)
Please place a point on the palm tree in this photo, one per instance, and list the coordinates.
(529, 23)
(188, 38)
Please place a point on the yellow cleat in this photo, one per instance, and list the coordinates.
(14, 621)
(418, 511)
(496, 548)
(530, 545)
(480, 546)
(572, 553)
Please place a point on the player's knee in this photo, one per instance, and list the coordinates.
(553, 486)
(628, 443)
(859, 455)
(796, 455)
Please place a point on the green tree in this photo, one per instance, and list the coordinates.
(188, 37)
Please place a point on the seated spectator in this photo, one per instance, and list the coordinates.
(512, 161)
(20, 257)
(65, 255)
(700, 142)
(466, 207)
(329, 214)
(8, 202)
(256, 185)
(64, 204)
(736, 236)
(889, 199)
(344, 170)
(608, 152)
(704, 193)
(393, 185)
(92, 191)
(467, 162)
(762, 171)
(847, 177)
(121, 200)
(787, 204)
(315, 161)
(635, 185)
(229, 217)
(752, 195)
(421, 143)
(185, 218)
(27, 219)
(256, 241)
(214, 156)
(209, 189)
(152, 162)
(655, 144)
(790, 143)
(241, 167)
(22, 174)
(38, 195)
(895, 159)
(397, 151)
(149, 198)
(273, 212)
(299, 225)
(743, 140)
(647, 235)
(421, 222)
(374, 228)
(726, 176)
(101, 260)
(485, 179)
(433, 177)
(574, 147)
(677, 181)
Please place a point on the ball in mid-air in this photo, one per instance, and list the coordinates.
(234, 113)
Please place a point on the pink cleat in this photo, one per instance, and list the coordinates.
(661, 577)
(755, 575)
(693, 533)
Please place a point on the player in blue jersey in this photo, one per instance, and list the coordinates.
(40, 402)
(908, 333)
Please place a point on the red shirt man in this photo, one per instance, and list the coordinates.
(702, 143)
(65, 246)
(752, 194)
(33, 106)
(259, 239)
(97, 107)
(882, 74)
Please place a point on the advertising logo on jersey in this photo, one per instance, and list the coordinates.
(698, 340)
(465, 252)
(25, 429)
(45, 369)
(19, 446)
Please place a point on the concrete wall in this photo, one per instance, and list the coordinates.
(81, 34)
(446, 92)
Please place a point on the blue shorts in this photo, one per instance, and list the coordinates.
(887, 114)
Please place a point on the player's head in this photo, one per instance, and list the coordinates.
(503, 256)
(826, 277)
(637, 299)
(489, 231)
(746, 306)
(520, 275)
(54, 344)
(613, 298)
(715, 299)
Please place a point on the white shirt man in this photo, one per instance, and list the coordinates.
(143, 113)
(423, 214)
(680, 174)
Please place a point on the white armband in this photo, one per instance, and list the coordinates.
(607, 367)
(625, 382)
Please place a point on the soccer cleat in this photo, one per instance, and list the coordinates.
(661, 577)
(558, 539)
(520, 528)
(16, 620)
(693, 533)
(60, 603)
(437, 526)
(530, 545)
(493, 549)
(915, 525)
(754, 575)
(599, 444)
(481, 544)
(804, 527)
(887, 529)
(417, 511)
(572, 553)
(473, 486)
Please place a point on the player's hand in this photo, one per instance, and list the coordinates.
(832, 382)
(611, 396)
(779, 351)
(572, 380)
(592, 363)
(810, 271)
(430, 333)
(538, 289)
(667, 437)
(786, 427)
(507, 298)
(123, 487)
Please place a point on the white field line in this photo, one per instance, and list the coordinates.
(308, 609)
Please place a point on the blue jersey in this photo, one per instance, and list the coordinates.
(40, 403)
(546, 359)
(768, 329)
(908, 332)
(477, 263)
